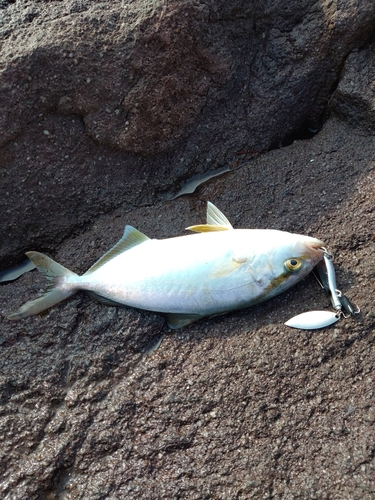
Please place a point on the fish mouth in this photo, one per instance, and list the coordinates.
(315, 246)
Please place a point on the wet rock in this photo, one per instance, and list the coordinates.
(107, 104)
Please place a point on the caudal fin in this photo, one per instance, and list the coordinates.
(54, 293)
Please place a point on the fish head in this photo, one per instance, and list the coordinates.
(310, 249)
(293, 257)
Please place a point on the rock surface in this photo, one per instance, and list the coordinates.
(354, 99)
(238, 406)
(233, 407)
(107, 104)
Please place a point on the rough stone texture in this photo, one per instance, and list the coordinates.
(233, 407)
(116, 103)
(238, 406)
(354, 99)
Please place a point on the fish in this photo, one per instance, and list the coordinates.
(213, 271)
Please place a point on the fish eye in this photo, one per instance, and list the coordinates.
(293, 264)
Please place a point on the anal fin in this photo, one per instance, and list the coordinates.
(177, 320)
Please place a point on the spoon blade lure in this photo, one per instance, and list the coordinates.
(313, 320)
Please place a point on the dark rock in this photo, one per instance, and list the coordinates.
(354, 98)
(105, 104)
(238, 406)
(231, 407)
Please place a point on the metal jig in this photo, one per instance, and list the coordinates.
(331, 276)
(325, 274)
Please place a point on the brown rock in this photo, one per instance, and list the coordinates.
(231, 407)
(89, 90)
(354, 98)
(238, 406)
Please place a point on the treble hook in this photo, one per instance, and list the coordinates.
(350, 308)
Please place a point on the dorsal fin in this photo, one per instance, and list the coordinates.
(216, 217)
(216, 221)
(131, 238)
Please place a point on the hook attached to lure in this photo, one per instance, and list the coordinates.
(325, 273)
(350, 308)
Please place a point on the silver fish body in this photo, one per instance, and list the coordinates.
(188, 277)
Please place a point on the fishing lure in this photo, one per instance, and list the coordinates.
(326, 276)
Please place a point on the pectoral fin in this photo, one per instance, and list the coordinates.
(228, 267)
